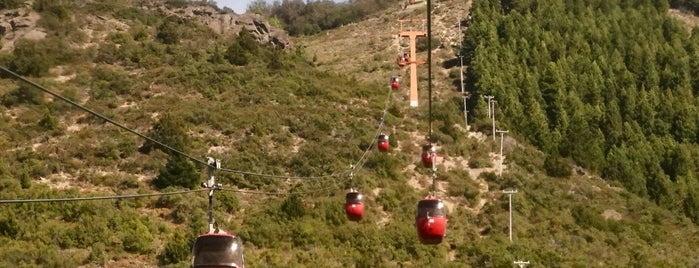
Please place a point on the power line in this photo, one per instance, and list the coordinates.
(194, 159)
(429, 68)
(101, 116)
(92, 198)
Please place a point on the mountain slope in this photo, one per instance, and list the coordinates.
(286, 114)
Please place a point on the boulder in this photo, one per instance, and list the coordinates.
(226, 22)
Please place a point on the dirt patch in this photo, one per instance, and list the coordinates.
(688, 19)
(611, 214)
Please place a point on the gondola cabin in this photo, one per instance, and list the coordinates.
(429, 155)
(382, 143)
(354, 206)
(430, 220)
(402, 61)
(219, 250)
(394, 83)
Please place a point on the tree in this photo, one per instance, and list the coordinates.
(179, 171)
(169, 32)
(169, 130)
(176, 250)
(31, 58)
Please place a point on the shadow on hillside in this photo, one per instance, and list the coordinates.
(450, 63)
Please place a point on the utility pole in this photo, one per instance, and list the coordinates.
(502, 139)
(521, 264)
(509, 194)
(489, 98)
(212, 166)
(466, 97)
(493, 114)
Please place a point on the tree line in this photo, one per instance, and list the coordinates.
(611, 85)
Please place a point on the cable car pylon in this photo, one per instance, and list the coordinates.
(216, 248)
(411, 58)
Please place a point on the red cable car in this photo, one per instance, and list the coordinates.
(382, 143)
(219, 250)
(394, 83)
(429, 155)
(354, 207)
(430, 220)
(403, 60)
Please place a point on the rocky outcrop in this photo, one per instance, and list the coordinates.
(19, 23)
(230, 23)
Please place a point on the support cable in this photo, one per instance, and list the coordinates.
(92, 198)
(192, 158)
(101, 116)
(429, 67)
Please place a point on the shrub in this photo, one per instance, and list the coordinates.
(557, 167)
(179, 171)
(136, 237)
(169, 32)
(30, 58)
(176, 250)
(10, 4)
(236, 56)
(24, 94)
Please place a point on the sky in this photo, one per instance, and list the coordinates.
(239, 6)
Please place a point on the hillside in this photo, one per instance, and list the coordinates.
(286, 125)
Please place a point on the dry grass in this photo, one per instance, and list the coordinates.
(688, 19)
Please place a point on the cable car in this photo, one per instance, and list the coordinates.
(429, 155)
(403, 60)
(382, 143)
(354, 206)
(394, 83)
(430, 220)
(217, 249)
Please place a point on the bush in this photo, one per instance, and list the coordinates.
(179, 171)
(24, 94)
(10, 4)
(557, 167)
(421, 45)
(169, 32)
(176, 250)
(30, 58)
(136, 237)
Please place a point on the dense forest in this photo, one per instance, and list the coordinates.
(607, 85)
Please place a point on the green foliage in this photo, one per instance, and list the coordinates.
(421, 45)
(306, 18)
(626, 115)
(170, 131)
(574, 80)
(177, 250)
(236, 55)
(9, 226)
(179, 171)
(31, 58)
(10, 4)
(557, 167)
(169, 32)
(24, 94)
(293, 207)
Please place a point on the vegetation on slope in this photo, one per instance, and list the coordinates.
(609, 84)
(300, 17)
(269, 111)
